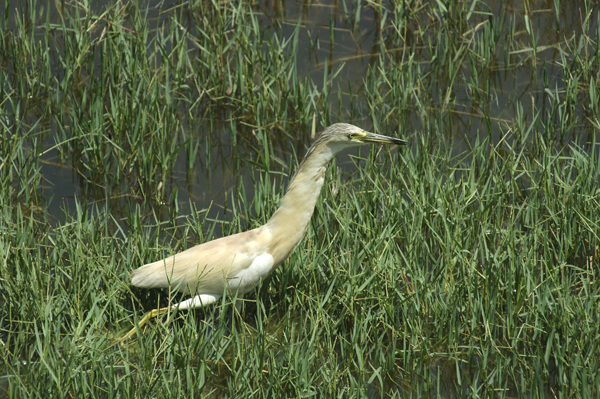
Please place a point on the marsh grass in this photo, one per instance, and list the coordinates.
(463, 266)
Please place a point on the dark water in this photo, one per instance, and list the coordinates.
(519, 83)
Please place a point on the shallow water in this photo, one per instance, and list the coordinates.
(514, 82)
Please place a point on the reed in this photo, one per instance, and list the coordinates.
(465, 265)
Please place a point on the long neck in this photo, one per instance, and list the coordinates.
(289, 223)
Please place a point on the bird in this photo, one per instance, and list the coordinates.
(235, 264)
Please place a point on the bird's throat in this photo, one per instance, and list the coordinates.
(290, 222)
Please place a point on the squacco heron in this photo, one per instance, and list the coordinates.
(235, 264)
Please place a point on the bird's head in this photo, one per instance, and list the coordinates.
(344, 135)
(340, 136)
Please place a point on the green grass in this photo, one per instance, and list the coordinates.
(464, 265)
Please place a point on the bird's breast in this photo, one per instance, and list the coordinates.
(246, 279)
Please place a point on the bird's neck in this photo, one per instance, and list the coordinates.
(290, 222)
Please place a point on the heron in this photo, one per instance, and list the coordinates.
(235, 264)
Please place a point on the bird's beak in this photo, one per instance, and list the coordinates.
(368, 137)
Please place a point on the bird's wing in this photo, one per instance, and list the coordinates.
(205, 268)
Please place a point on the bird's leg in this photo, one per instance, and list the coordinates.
(198, 301)
(151, 314)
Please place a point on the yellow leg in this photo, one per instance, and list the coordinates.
(151, 314)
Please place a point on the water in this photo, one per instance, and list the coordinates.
(516, 84)
(354, 49)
